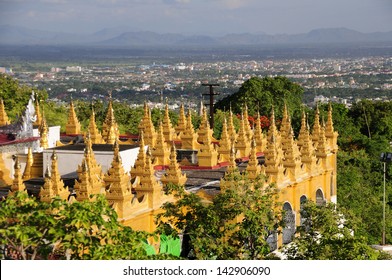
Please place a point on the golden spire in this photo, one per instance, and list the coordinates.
(231, 129)
(227, 181)
(307, 149)
(303, 130)
(27, 174)
(273, 153)
(253, 168)
(95, 135)
(173, 173)
(258, 135)
(116, 180)
(292, 156)
(316, 127)
(243, 142)
(43, 130)
(330, 133)
(3, 114)
(168, 130)
(73, 125)
(181, 125)
(204, 130)
(90, 175)
(38, 120)
(149, 133)
(285, 126)
(224, 144)
(54, 185)
(17, 183)
(207, 155)
(322, 147)
(149, 186)
(248, 130)
(189, 137)
(109, 127)
(145, 117)
(161, 151)
(138, 168)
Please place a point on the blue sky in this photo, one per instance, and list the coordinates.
(213, 17)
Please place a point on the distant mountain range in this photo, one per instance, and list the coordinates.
(13, 35)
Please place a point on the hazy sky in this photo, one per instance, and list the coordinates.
(198, 16)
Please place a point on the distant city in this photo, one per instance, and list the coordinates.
(337, 65)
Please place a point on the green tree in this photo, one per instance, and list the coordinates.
(260, 94)
(328, 233)
(30, 229)
(16, 96)
(235, 225)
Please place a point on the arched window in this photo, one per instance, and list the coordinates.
(320, 198)
(302, 201)
(289, 223)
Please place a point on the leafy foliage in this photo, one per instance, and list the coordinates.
(235, 225)
(16, 96)
(328, 233)
(31, 229)
(260, 94)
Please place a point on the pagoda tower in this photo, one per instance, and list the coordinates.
(330, 133)
(253, 168)
(204, 130)
(140, 163)
(273, 154)
(17, 183)
(168, 130)
(207, 155)
(189, 137)
(44, 130)
(248, 129)
(109, 127)
(308, 156)
(3, 114)
(292, 157)
(285, 127)
(90, 175)
(231, 129)
(181, 125)
(149, 187)
(161, 152)
(173, 173)
(73, 125)
(323, 149)
(54, 185)
(95, 135)
(149, 133)
(118, 193)
(89, 158)
(259, 136)
(224, 144)
(27, 174)
(316, 127)
(227, 181)
(243, 142)
(38, 120)
(303, 130)
(145, 117)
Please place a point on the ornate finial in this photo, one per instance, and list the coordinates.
(54, 155)
(47, 172)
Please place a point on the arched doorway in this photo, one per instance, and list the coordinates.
(289, 221)
(320, 201)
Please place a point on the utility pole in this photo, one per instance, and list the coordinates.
(211, 94)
